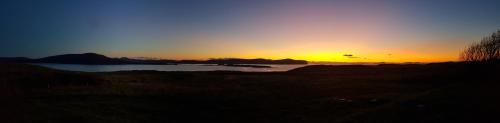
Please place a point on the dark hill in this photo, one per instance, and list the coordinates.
(97, 59)
(86, 58)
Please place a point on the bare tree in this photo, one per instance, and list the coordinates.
(487, 50)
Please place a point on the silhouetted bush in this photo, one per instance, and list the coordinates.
(487, 50)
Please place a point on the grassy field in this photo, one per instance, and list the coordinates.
(444, 92)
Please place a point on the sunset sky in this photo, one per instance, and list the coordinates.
(315, 30)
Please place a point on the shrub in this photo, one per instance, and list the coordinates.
(487, 50)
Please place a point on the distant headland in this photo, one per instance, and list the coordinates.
(98, 59)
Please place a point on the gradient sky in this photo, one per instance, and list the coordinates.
(321, 30)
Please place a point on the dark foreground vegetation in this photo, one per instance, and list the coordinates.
(486, 50)
(444, 92)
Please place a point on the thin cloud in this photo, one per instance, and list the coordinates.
(350, 56)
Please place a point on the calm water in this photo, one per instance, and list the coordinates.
(180, 67)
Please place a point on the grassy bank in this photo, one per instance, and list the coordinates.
(446, 92)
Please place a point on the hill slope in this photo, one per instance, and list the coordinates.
(445, 92)
(86, 58)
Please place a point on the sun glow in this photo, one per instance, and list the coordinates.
(319, 32)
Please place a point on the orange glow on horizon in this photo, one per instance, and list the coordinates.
(314, 56)
(364, 34)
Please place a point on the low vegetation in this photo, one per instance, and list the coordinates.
(444, 92)
(487, 50)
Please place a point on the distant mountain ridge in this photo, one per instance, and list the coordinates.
(86, 58)
(98, 59)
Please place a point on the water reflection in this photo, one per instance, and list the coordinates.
(181, 67)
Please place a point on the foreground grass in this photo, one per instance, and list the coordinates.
(448, 92)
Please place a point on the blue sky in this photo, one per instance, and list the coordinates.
(431, 30)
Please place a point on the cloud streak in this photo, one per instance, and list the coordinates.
(350, 56)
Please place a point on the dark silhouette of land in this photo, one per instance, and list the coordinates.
(412, 93)
(86, 58)
(97, 59)
(240, 65)
(15, 59)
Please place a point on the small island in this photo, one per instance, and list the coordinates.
(245, 65)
